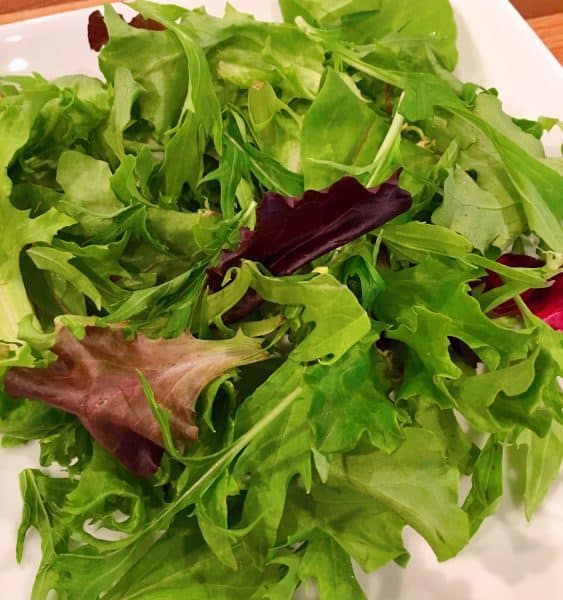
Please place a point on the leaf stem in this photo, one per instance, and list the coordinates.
(386, 146)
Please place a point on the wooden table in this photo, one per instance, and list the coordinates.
(545, 16)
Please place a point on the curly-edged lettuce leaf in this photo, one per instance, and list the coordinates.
(317, 12)
(350, 399)
(88, 195)
(430, 303)
(430, 505)
(243, 51)
(14, 303)
(518, 387)
(415, 484)
(20, 230)
(339, 320)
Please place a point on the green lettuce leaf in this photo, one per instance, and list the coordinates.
(340, 131)
(116, 195)
(350, 399)
(319, 294)
(158, 65)
(483, 218)
(416, 483)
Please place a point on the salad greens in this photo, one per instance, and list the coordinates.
(269, 293)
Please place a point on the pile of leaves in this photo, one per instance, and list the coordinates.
(268, 293)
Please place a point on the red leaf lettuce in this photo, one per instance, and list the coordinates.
(291, 232)
(97, 379)
(545, 303)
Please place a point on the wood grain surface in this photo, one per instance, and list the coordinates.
(538, 8)
(18, 10)
(545, 16)
(550, 30)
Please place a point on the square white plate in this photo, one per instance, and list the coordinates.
(508, 559)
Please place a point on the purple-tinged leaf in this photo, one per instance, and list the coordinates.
(97, 379)
(98, 35)
(291, 232)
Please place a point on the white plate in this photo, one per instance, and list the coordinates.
(508, 559)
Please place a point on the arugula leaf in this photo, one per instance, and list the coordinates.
(544, 458)
(25, 420)
(170, 199)
(57, 261)
(126, 92)
(326, 562)
(477, 214)
(486, 490)
(416, 241)
(276, 126)
(39, 491)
